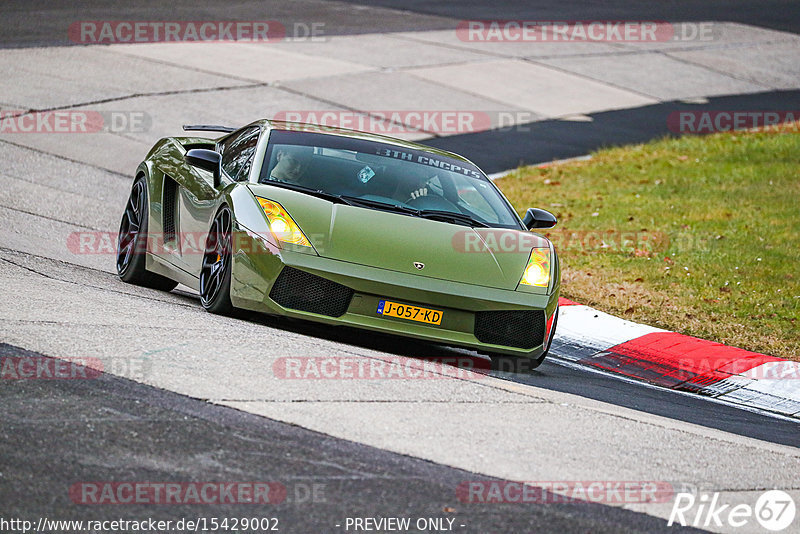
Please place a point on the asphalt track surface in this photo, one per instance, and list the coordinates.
(354, 17)
(777, 14)
(121, 430)
(339, 18)
(55, 433)
(548, 140)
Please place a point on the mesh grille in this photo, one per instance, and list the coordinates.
(168, 208)
(299, 290)
(523, 329)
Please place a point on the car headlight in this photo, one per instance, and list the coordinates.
(537, 272)
(282, 225)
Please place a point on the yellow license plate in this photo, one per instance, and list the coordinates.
(388, 308)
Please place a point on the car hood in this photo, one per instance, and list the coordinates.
(489, 257)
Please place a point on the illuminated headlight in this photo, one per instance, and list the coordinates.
(282, 225)
(537, 272)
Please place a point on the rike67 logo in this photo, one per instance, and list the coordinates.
(774, 510)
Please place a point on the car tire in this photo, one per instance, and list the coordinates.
(215, 272)
(514, 364)
(132, 242)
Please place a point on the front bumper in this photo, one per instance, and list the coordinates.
(255, 270)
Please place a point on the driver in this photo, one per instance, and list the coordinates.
(291, 164)
(414, 184)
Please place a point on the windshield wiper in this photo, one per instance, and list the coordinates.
(354, 201)
(450, 216)
(310, 190)
(437, 215)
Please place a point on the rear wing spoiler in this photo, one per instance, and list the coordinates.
(208, 128)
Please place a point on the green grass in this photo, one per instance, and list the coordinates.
(721, 215)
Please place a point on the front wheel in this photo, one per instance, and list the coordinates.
(132, 242)
(215, 273)
(550, 339)
(515, 364)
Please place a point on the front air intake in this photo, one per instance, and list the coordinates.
(169, 207)
(523, 329)
(299, 290)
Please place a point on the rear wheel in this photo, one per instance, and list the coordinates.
(132, 242)
(215, 273)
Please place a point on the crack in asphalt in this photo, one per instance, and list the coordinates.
(136, 95)
(113, 99)
(665, 53)
(54, 278)
(56, 260)
(252, 81)
(564, 70)
(78, 225)
(65, 158)
(112, 325)
(537, 60)
(50, 185)
(685, 61)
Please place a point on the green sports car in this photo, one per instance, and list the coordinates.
(344, 228)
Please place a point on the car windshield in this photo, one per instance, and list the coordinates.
(378, 175)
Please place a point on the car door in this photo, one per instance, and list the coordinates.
(198, 199)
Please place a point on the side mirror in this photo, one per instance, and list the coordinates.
(536, 218)
(207, 160)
